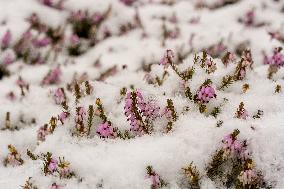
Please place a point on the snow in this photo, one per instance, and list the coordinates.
(117, 163)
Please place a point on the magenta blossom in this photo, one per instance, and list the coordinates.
(167, 58)
(205, 94)
(62, 117)
(6, 39)
(232, 145)
(41, 42)
(155, 180)
(105, 130)
(59, 96)
(74, 40)
(53, 77)
(276, 59)
(42, 133)
(53, 165)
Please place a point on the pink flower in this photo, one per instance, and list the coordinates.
(105, 130)
(74, 40)
(8, 57)
(243, 114)
(205, 94)
(232, 145)
(53, 77)
(53, 165)
(42, 133)
(155, 179)
(167, 58)
(64, 172)
(62, 117)
(55, 186)
(41, 42)
(6, 39)
(277, 59)
(13, 159)
(97, 18)
(59, 96)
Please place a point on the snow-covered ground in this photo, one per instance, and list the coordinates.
(115, 86)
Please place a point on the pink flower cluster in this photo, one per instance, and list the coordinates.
(131, 110)
(52, 166)
(242, 114)
(233, 146)
(6, 40)
(62, 117)
(61, 167)
(136, 109)
(155, 180)
(276, 59)
(13, 159)
(42, 133)
(205, 94)
(167, 58)
(105, 130)
(59, 96)
(41, 42)
(53, 77)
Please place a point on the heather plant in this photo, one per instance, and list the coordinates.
(275, 61)
(233, 166)
(13, 158)
(155, 179)
(241, 112)
(29, 184)
(140, 113)
(192, 177)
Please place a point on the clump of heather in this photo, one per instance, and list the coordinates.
(192, 177)
(205, 94)
(104, 129)
(232, 165)
(29, 184)
(52, 77)
(79, 120)
(170, 114)
(47, 129)
(13, 158)
(242, 67)
(155, 179)
(140, 113)
(276, 59)
(242, 113)
(168, 60)
(57, 167)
